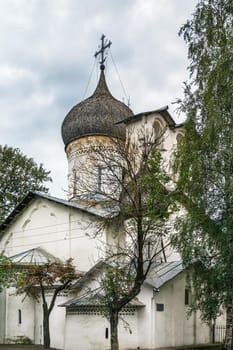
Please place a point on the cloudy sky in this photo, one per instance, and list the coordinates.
(47, 55)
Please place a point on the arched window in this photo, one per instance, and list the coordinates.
(158, 131)
(179, 138)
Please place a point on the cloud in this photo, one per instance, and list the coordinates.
(47, 53)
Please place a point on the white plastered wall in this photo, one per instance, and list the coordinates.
(15, 325)
(144, 130)
(88, 332)
(172, 327)
(62, 231)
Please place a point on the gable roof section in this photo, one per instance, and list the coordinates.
(94, 271)
(163, 111)
(31, 196)
(160, 274)
(36, 256)
(95, 298)
(163, 273)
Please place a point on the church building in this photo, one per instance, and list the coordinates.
(42, 228)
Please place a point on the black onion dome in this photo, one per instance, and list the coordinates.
(96, 115)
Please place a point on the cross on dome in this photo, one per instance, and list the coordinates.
(104, 46)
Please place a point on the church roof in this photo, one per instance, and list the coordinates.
(163, 111)
(36, 256)
(161, 273)
(96, 115)
(95, 298)
(99, 212)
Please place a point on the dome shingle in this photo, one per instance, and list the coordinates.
(96, 115)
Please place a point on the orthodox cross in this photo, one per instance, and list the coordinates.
(104, 46)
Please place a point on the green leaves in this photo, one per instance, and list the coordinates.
(154, 184)
(205, 157)
(37, 278)
(7, 273)
(18, 175)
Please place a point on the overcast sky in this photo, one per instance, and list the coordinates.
(47, 54)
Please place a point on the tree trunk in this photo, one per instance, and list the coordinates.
(46, 331)
(229, 328)
(114, 329)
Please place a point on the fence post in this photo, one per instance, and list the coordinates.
(213, 333)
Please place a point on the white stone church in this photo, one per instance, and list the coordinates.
(43, 227)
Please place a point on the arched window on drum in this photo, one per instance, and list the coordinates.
(158, 130)
(179, 138)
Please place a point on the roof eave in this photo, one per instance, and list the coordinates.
(163, 111)
(34, 195)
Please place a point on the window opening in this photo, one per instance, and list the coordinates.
(106, 333)
(19, 316)
(187, 296)
(160, 307)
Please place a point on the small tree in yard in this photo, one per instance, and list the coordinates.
(35, 281)
(18, 175)
(134, 186)
(7, 274)
(205, 160)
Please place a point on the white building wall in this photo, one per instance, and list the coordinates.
(31, 325)
(57, 322)
(16, 326)
(145, 319)
(149, 328)
(145, 129)
(88, 332)
(62, 231)
(2, 316)
(172, 326)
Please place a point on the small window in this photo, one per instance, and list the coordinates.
(159, 307)
(19, 316)
(106, 333)
(187, 296)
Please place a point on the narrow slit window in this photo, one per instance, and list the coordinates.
(187, 296)
(106, 333)
(19, 316)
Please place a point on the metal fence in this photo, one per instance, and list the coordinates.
(218, 333)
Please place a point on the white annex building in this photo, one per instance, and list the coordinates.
(42, 228)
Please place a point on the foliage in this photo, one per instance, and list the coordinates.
(35, 280)
(205, 157)
(155, 181)
(20, 339)
(116, 283)
(135, 188)
(19, 174)
(6, 272)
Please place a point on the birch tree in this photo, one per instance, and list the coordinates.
(205, 160)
